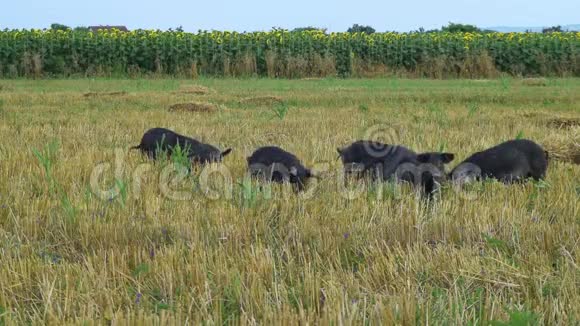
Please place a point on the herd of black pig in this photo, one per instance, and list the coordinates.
(511, 161)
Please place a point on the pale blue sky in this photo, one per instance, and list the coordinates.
(251, 15)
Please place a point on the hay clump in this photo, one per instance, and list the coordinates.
(564, 148)
(193, 107)
(96, 94)
(262, 100)
(563, 123)
(541, 82)
(194, 89)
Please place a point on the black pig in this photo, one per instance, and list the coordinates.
(158, 140)
(510, 161)
(384, 162)
(277, 165)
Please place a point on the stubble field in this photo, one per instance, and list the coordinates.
(91, 231)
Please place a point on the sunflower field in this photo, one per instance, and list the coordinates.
(281, 53)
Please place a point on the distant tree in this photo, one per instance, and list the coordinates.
(356, 28)
(59, 27)
(309, 28)
(278, 29)
(552, 29)
(423, 30)
(460, 28)
(81, 29)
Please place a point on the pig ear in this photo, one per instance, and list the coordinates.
(447, 157)
(339, 150)
(226, 152)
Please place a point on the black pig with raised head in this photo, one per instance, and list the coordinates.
(384, 162)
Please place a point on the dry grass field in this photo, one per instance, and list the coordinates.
(93, 233)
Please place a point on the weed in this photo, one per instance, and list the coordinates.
(363, 108)
(505, 83)
(140, 269)
(281, 110)
(122, 188)
(518, 318)
(46, 159)
(472, 109)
